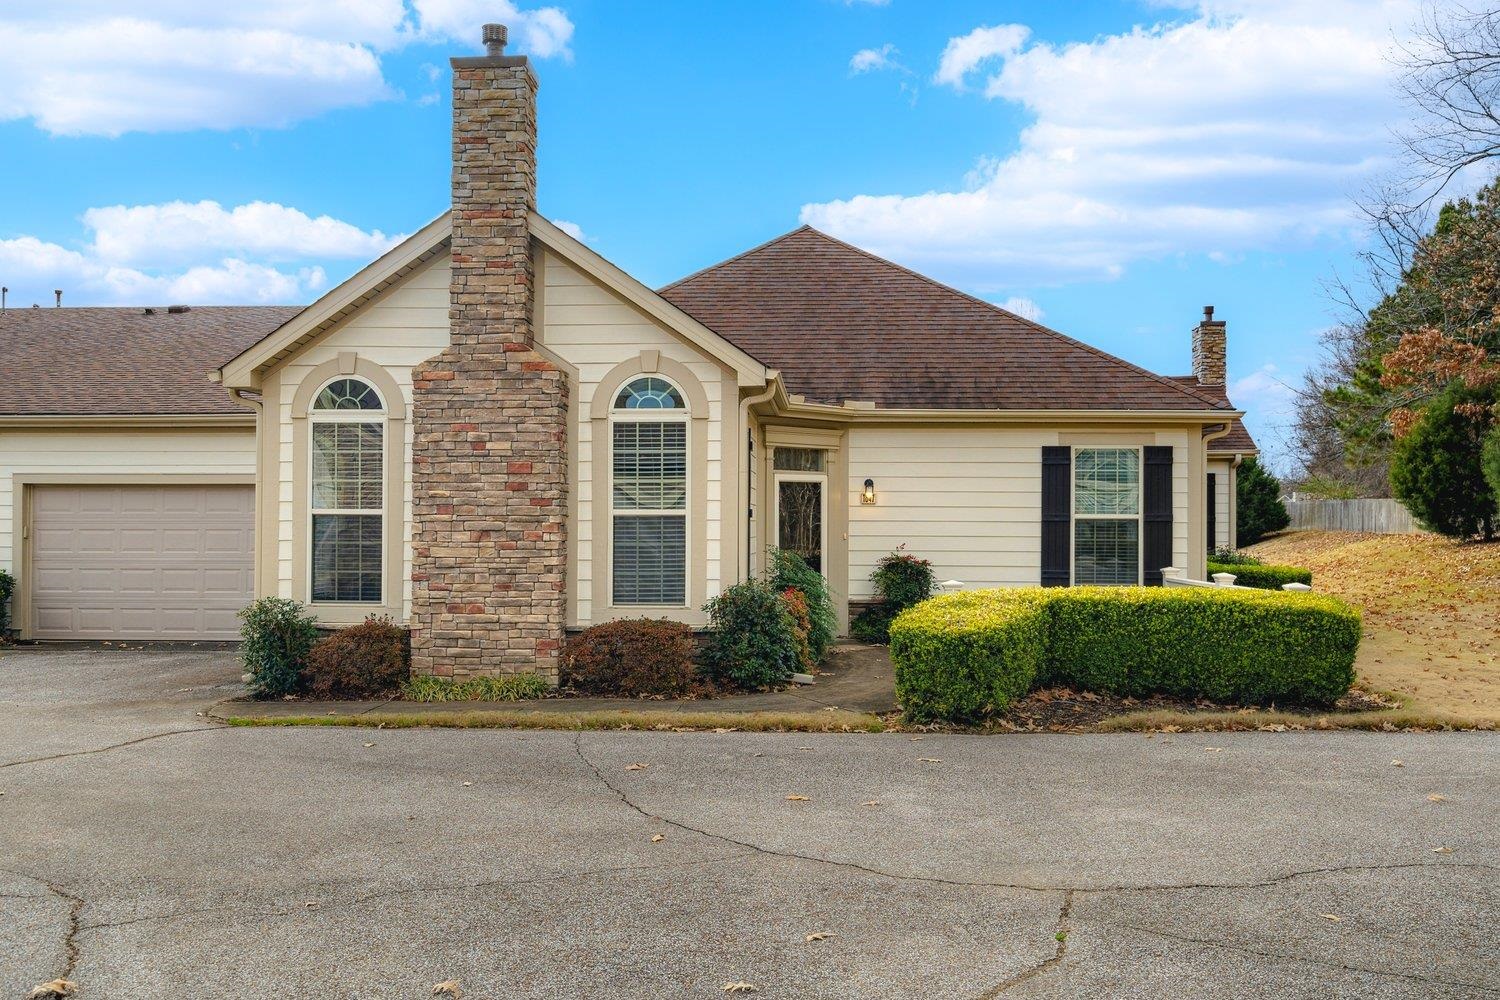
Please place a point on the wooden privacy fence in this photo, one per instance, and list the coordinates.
(1381, 517)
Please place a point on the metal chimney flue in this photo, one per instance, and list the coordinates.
(58, 293)
(494, 39)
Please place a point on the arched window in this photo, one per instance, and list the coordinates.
(348, 493)
(648, 494)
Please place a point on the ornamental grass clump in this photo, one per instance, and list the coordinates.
(963, 657)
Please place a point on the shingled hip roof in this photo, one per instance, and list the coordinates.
(842, 324)
(83, 362)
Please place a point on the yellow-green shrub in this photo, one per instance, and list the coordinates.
(1260, 575)
(964, 656)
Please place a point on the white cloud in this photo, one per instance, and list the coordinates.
(1246, 125)
(1023, 307)
(573, 229)
(182, 231)
(869, 60)
(182, 252)
(966, 53)
(78, 67)
(867, 3)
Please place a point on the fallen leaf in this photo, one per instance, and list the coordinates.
(1442, 850)
(1214, 749)
(1330, 916)
(804, 748)
(368, 745)
(311, 904)
(56, 988)
(914, 739)
(741, 988)
(658, 838)
(468, 783)
(930, 760)
(447, 988)
(819, 936)
(636, 767)
(872, 802)
(1398, 763)
(1437, 797)
(798, 798)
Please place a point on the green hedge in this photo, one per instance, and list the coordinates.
(962, 657)
(1260, 575)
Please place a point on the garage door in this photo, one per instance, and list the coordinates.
(140, 562)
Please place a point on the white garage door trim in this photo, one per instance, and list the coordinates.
(24, 486)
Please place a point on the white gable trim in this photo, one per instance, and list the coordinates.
(244, 371)
(749, 372)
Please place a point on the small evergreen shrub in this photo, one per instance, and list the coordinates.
(790, 570)
(277, 635)
(796, 605)
(961, 657)
(751, 643)
(1258, 574)
(7, 588)
(1229, 557)
(508, 687)
(361, 661)
(901, 581)
(645, 658)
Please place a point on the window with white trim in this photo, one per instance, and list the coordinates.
(1107, 516)
(347, 502)
(648, 494)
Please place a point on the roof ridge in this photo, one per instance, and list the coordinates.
(1163, 379)
(739, 256)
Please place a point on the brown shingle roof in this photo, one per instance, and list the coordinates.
(1238, 439)
(841, 324)
(98, 362)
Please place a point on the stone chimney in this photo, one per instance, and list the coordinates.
(1209, 347)
(489, 414)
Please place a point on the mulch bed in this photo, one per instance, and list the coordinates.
(1061, 710)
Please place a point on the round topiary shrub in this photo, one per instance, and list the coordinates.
(752, 642)
(361, 661)
(644, 658)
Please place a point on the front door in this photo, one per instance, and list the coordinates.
(801, 516)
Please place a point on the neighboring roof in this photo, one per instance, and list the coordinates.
(1238, 441)
(842, 324)
(99, 362)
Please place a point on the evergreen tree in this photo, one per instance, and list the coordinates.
(1436, 470)
(1259, 510)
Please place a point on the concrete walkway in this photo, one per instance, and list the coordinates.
(855, 678)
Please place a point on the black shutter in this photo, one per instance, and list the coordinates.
(1057, 515)
(1156, 541)
(1213, 512)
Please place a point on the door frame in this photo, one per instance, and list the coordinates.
(821, 478)
(22, 483)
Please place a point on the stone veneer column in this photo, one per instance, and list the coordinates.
(489, 414)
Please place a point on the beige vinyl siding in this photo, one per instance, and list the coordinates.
(969, 498)
(399, 330)
(594, 330)
(1224, 511)
(145, 455)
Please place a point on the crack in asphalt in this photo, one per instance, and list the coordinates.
(112, 746)
(358, 901)
(1283, 956)
(75, 910)
(1061, 935)
(1022, 886)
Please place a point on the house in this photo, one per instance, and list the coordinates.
(495, 435)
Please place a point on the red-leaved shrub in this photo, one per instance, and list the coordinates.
(644, 658)
(796, 603)
(371, 658)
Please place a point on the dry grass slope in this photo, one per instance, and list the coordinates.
(1432, 613)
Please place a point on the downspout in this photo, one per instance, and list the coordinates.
(746, 456)
(1199, 564)
(257, 403)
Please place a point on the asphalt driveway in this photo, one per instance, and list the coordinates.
(148, 853)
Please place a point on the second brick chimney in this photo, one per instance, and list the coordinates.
(489, 414)
(1209, 350)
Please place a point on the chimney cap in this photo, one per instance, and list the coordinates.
(1208, 314)
(495, 37)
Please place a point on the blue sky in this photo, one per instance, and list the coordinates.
(1110, 167)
